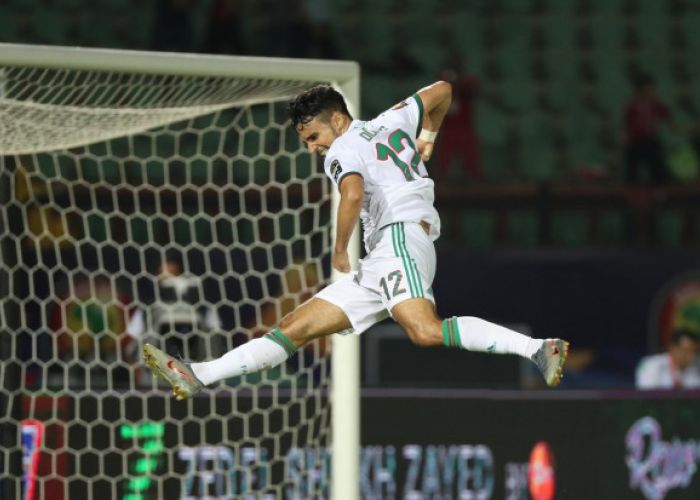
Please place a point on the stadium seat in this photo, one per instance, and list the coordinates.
(377, 93)
(613, 91)
(569, 228)
(8, 23)
(463, 29)
(49, 26)
(492, 123)
(668, 228)
(523, 229)
(537, 151)
(612, 228)
(477, 228)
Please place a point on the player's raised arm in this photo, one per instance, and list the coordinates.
(436, 100)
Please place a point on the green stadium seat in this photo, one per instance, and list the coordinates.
(607, 32)
(608, 8)
(49, 26)
(691, 24)
(22, 4)
(463, 28)
(560, 8)
(563, 79)
(668, 229)
(430, 56)
(492, 123)
(378, 41)
(496, 163)
(569, 228)
(519, 93)
(377, 93)
(477, 228)
(560, 32)
(513, 61)
(613, 228)
(94, 34)
(613, 90)
(538, 160)
(537, 150)
(120, 5)
(653, 15)
(523, 229)
(8, 23)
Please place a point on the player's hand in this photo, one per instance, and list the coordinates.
(341, 261)
(425, 149)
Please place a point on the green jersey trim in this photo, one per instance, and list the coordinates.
(419, 102)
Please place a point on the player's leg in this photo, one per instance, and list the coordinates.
(423, 326)
(410, 272)
(315, 318)
(341, 306)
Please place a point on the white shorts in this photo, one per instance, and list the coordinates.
(401, 266)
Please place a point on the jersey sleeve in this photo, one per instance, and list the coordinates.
(343, 161)
(408, 114)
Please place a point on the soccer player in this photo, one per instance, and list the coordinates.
(378, 167)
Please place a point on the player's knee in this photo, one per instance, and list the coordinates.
(293, 328)
(423, 335)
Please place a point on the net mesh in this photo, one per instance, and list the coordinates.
(47, 109)
(173, 210)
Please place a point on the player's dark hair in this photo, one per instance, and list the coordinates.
(319, 100)
(684, 333)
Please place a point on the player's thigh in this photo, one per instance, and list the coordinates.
(312, 319)
(362, 306)
(419, 319)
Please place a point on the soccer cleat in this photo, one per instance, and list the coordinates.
(550, 360)
(178, 374)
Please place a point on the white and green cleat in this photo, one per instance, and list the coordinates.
(550, 360)
(175, 372)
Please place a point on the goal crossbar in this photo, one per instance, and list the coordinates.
(341, 73)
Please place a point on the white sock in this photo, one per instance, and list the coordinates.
(476, 334)
(255, 355)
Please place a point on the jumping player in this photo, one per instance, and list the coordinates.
(378, 167)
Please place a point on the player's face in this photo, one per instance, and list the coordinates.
(685, 353)
(318, 134)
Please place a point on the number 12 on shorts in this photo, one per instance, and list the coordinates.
(394, 277)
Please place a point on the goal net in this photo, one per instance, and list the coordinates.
(162, 199)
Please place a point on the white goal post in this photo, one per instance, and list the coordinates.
(260, 80)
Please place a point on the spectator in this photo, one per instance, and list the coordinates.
(644, 115)
(177, 315)
(458, 146)
(677, 368)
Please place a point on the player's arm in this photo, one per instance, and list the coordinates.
(436, 100)
(352, 188)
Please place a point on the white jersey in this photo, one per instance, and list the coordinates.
(396, 183)
(658, 372)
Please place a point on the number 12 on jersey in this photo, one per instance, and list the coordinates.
(396, 146)
(396, 277)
